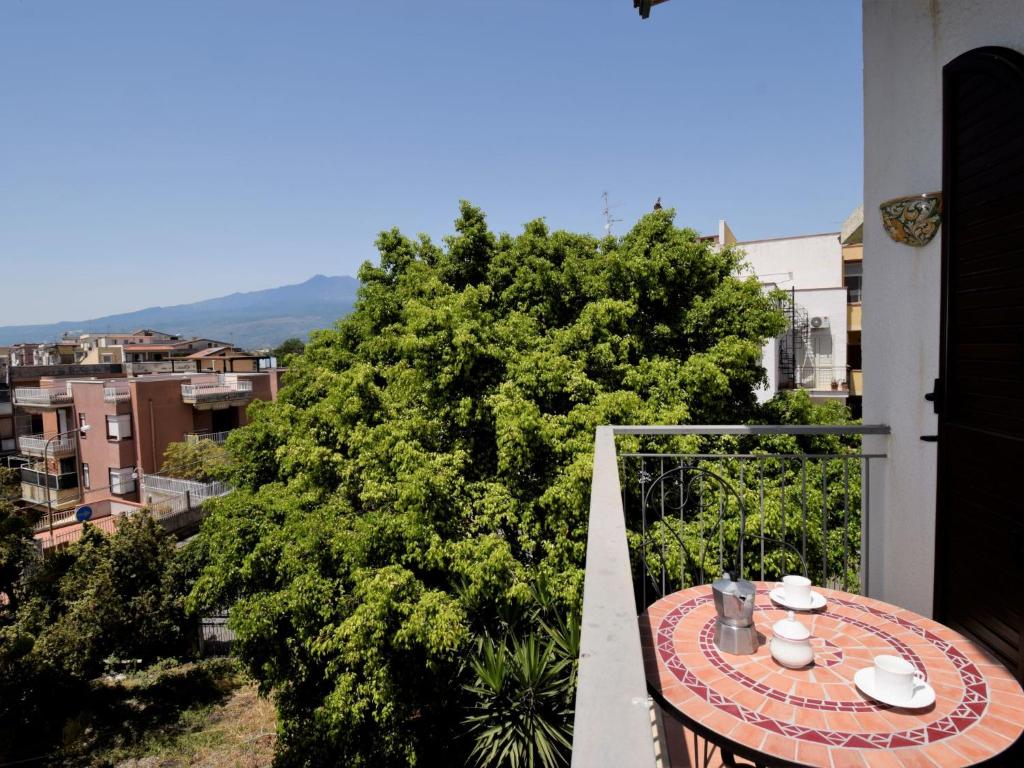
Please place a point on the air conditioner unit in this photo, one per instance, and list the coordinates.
(819, 321)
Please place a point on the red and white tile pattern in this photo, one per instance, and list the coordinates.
(816, 716)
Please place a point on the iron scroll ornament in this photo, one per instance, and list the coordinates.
(913, 220)
(685, 490)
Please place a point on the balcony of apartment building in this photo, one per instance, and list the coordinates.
(117, 393)
(174, 365)
(672, 509)
(221, 391)
(52, 396)
(823, 380)
(50, 484)
(49, 446)
(194, 438)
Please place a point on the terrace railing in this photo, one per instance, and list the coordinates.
(52, 445)
(178, 503)
(221, 390)
(678, 507)
(215, 437)
(116, 394)
(43, 396)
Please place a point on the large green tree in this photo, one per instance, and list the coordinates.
(120, 595)
(428, 461)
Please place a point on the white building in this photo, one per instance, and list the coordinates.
(944, 110)
(812, 271)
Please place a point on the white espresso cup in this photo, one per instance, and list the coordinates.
(797, 590)
(896, 678)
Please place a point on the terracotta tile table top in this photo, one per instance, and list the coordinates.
(816, 716)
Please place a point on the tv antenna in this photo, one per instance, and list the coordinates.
(609, 220)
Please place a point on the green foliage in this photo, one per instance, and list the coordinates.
(524, 697)
(429, 458)
(521, 691)
(8, 482)
(16, 554)
(119, 595)
(287, 348)
(202, 461)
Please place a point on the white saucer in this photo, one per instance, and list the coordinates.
(924, 694)
(779, 596)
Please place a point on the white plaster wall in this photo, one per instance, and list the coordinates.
(770, 361)
(906, 44)
(830, 303)
(816, 261)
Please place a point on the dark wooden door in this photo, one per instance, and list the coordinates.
(980, 531)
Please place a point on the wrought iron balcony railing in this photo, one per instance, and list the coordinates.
(677, 507)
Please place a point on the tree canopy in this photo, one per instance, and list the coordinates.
(287, 348)
(428, 463)
(105, 597)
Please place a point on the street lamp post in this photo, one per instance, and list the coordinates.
(46, 472)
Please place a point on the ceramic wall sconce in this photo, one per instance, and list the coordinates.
(913, 220)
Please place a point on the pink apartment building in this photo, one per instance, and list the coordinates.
(130, 424)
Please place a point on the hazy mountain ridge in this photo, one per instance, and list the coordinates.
(251, 320)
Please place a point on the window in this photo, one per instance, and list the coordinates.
(122, 480)
(85, 476)
(81, 423)
(108, 358)
(853, 275)
(119, 427)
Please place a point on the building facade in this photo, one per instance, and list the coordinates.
(88, 439)
(817, 278)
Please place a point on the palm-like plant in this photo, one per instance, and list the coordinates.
(523, 693)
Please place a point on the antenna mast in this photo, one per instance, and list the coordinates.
(609, 220)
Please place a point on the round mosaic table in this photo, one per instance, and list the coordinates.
(816, 716)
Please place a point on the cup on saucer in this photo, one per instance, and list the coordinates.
(796, 590)
(896, 678)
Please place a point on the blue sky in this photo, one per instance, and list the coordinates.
(159, 153)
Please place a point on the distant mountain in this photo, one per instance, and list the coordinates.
(251, 320)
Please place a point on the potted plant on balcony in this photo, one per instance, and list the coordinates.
(835, 384)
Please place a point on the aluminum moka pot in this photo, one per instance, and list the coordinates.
(734, 630)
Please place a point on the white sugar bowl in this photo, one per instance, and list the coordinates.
(791, 643)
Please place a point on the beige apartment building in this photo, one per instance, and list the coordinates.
(147, 351)
(93, 438)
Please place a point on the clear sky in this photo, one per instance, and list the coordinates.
(164, 152)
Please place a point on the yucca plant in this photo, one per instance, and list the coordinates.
(523, 692)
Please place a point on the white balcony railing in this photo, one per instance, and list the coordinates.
(162, 366)
(822, 377)
(177, 503)
(45, 396)
(49, 446)
(223, 389)
(213, 437)
(116, 394)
